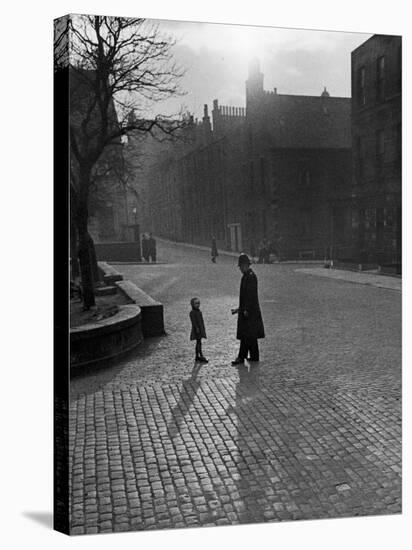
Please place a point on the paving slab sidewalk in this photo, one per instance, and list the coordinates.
(373, 279)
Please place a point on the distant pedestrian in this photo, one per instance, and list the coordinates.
(249, 321)
(268, 252)
(214, 252)
(198, 329)
(280, 247)
(145, 247)
(264, 252)
(152, 248)
(253, 252)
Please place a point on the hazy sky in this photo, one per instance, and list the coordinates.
(216, 58)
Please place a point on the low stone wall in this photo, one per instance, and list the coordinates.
(152, 311)
(109, 274)
(354, 266)
(107, 338)
(118, 252)
(391, 269)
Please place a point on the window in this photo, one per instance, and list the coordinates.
(380, 69)
(360, 159)
(361, 86)
(380, 153)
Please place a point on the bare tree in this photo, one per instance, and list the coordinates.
(118, 68)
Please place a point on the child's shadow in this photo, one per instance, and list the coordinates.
(187, 395)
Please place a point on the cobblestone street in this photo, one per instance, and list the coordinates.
(312, 431)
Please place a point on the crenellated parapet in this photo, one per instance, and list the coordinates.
(228, 111)
(226, 117)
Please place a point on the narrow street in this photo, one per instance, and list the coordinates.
(312, 431)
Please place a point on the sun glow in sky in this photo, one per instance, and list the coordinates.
(216, 59)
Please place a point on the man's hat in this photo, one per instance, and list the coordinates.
(243, 260)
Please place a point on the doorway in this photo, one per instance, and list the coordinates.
(235, 237)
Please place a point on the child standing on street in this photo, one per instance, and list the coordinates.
(198, 329)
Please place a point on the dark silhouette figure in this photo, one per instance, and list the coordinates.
(264, 252)
(249, 321)
(198, 329)
(145, 247)
(214, 252)
(152, 248)
(252, 251)
(187, 395)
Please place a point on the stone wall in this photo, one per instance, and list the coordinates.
(118, 252)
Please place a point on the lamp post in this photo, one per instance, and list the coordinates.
(135, 225)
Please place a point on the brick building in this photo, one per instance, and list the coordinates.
(274, 170)
(377, 150)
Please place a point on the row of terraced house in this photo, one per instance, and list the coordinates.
(317, 176)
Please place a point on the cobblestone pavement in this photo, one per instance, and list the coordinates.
(312, 431)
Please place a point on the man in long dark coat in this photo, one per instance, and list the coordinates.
(214, 252)
(145, 247)
(249, 322)
(151, 247)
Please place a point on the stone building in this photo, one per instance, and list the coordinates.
(377, 150)
(298, 158)
(107, 206)
(274, 169)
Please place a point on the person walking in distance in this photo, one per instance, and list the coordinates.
(198, 329)
(249, 321)
(152, 247)
(145, 247)
(252, 252)
(214, 252)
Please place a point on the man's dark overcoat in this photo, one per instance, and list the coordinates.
(249, 327)
(214, 252)
(151, 247)
(145, 251)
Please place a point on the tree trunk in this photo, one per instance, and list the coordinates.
(74, 250)
(86, 270)
(93, 259)
(86, 267)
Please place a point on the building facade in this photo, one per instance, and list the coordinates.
(273, 170)
(107, 200)
(377, 150)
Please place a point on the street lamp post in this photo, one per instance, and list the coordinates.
(137, 234)
(136, 227)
